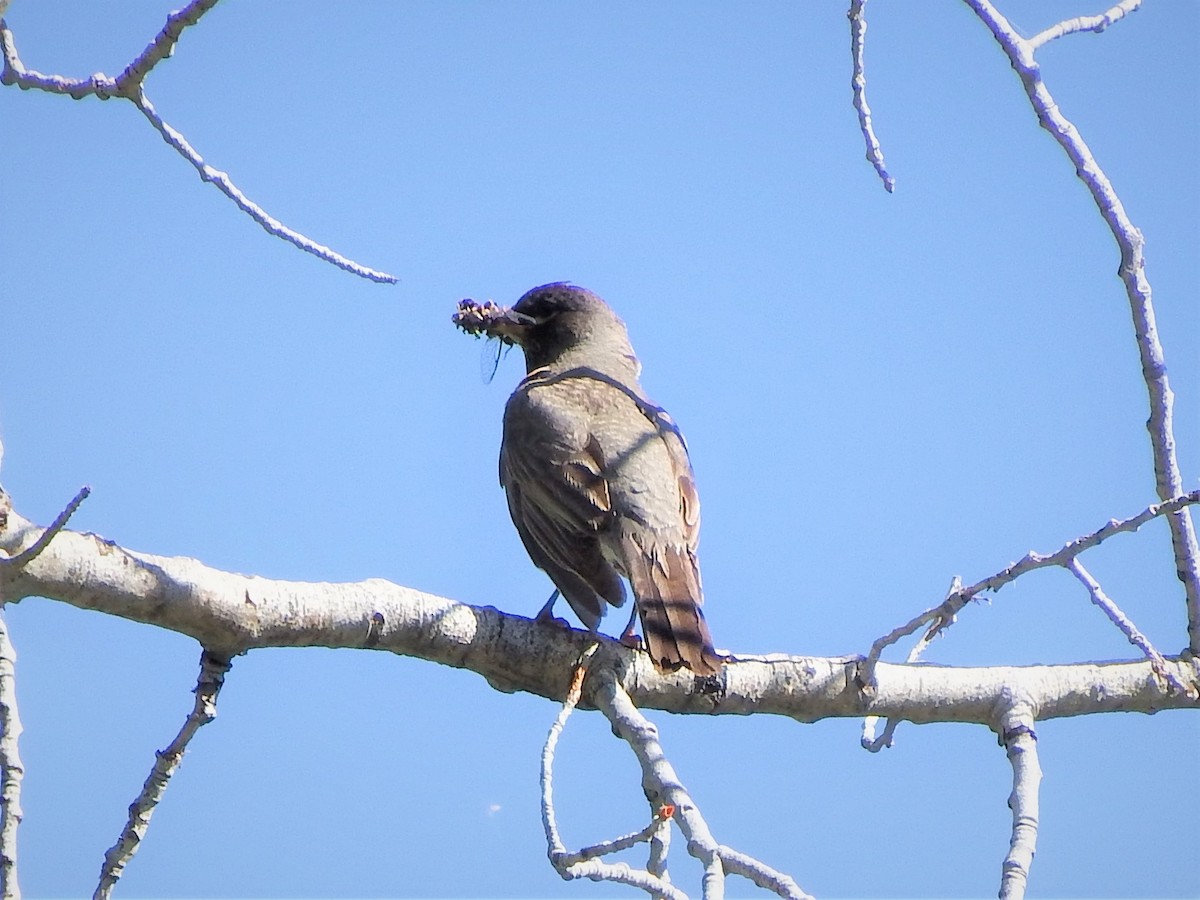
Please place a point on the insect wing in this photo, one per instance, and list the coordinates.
(489, 359)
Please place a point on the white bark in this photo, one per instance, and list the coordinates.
(229, 613)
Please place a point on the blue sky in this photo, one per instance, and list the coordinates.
(879, 391)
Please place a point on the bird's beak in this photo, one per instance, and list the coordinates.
(510, 326)
(493, 320)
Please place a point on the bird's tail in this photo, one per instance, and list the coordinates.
(666, 583)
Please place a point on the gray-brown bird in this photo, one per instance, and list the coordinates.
(598, 479)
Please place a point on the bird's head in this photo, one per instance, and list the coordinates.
(554, 324)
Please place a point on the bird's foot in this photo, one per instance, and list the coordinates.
(546, 614)
(546, 617)
(631, 639)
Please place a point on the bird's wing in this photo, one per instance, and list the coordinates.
(551, 470)
(689, 497)
(658, 508)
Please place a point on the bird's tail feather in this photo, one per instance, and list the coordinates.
(666, 583)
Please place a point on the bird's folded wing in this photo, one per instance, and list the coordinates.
(559, 502)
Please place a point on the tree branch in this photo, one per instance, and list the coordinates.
(1123, 622)
(1085, 23)
(44, 539)
(229, 613)
(166, 762)
(129, 86)
(12, 771)
(586, 863)
(945, 612)
(662, 786)
(858, 37)
(868, 740)
(163, 46)
(1016, 728)
(1168, 480)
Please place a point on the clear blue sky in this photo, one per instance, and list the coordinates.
(880, 392)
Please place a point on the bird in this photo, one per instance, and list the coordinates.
(597, 477)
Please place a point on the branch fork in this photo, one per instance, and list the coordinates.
(129, 85)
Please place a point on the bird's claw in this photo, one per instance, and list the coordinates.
(546, 617)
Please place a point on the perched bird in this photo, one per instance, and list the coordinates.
(598, 479)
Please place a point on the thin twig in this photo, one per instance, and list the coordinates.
(1085, 23)
(31, 552)
(269, 223)
(943, 614)
(166, 762)
(858, 37)
(659, 780)
(738, 863)
(660, 845)
(1122, 621)
(868, 740)
(126, 85)
(12, 771)
(1073, 548)
(616, 845)
(1167, 477)
(129, 86)
(554, 842)
(663, 786)
(586, 863)
(1017, 732)
(162, 46)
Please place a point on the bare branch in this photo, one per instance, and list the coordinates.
(555, 848)
(944, 613)
(663, 786)
(1168, 479)
(166, 762)
(858, 37)
(162, 46)
(1017, 732)
(1118, 618)
(1085, 23)
(1072, 549)
(738, 863)
(129, 86)
(12, 770)
(269, 224)
(15, 73)
(585, 863)
(31, 552)
(868, 739)
(231, 613)
(660, 845)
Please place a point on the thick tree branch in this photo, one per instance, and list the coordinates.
(1132, 271)
(229, 613)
